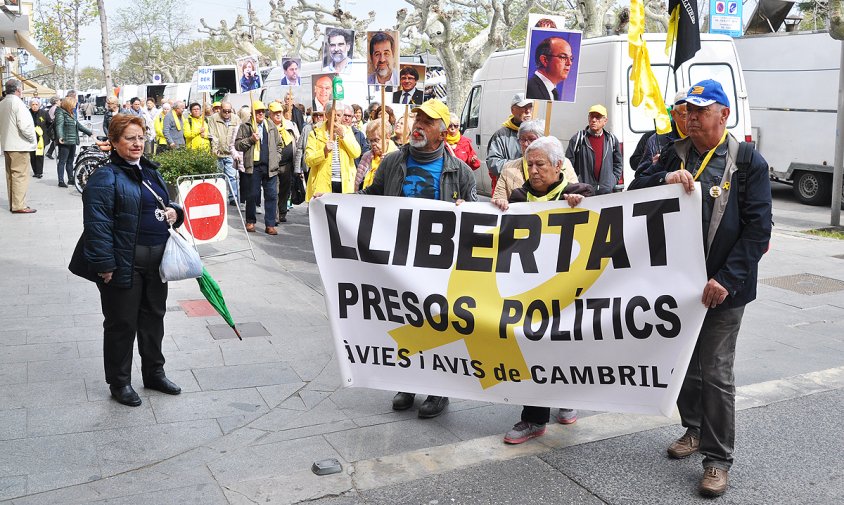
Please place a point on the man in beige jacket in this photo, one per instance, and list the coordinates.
(17, 139)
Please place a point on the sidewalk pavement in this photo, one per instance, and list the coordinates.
(255, 414)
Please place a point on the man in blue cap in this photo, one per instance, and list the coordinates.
(736, 229)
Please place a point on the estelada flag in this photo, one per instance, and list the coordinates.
(684, 26)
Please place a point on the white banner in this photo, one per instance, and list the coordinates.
(595, 308)
(204, 79)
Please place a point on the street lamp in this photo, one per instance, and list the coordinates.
(609, 20)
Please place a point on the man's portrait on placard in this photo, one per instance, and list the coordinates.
(411, 84)
(552, 65)
(382, 58)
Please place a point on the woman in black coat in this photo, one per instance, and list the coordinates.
(126, 212)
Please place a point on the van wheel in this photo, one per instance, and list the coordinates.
(812, 188)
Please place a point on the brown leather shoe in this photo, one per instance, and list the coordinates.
(271, 230)
(24, 211)
(713, 483)
(250, 227)
(684, 446)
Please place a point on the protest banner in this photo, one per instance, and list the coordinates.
(595, 308)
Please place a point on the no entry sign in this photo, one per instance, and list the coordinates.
(205, 209)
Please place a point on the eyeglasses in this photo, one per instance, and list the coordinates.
(225, 111)
(140, 139)
(348, 115)
(564, 57)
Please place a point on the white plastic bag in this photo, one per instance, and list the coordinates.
(180, 260)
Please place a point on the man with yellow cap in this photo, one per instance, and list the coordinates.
(595, 153)
(263, 154)
(423, 168)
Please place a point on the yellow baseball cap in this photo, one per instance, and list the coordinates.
(600, 109)
(258, 105)
(434, 109)
(215, 104)
(276, 107)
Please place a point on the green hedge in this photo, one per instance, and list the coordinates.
(179, 162)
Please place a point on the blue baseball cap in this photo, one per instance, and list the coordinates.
(705, 93)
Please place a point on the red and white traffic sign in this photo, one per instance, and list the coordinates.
(205, 209)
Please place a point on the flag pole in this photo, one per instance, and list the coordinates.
(404, 125)
(252, 108)
(383, 122)
(548, 105)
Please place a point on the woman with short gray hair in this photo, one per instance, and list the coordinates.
(514, 172)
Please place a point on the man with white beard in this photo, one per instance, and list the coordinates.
(423, 168)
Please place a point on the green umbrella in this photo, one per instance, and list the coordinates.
(214, 295)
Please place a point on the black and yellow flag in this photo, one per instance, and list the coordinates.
(684, 26)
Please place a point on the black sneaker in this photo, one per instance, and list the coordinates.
(433, 406)
(62, 184)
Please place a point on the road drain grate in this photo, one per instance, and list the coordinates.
(806, 284)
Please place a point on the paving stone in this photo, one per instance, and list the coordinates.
(40, 394)
(194, 358)
(386, 439)
(66, 334)
(283, 419)
(86, 417)
(199, 494)
(12, 373)
(15, 337)
(12, 424)
(271, 460)
(121, 450)
(275, 394)
(249, 351)
(37, 352)
(12, 486)
(299, 487)
(241, 376)
(207, 405)
(65, 369)
(49, 455)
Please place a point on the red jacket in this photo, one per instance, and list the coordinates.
(464, 151)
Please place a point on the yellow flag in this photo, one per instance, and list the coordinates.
(645, 85)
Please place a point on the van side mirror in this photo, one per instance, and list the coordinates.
(836, 19)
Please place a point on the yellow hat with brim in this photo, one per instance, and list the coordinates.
(216, 104)
(600, 109)
(258, 105)
(276, 107)
(434, 109)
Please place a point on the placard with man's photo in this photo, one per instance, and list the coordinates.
(411, 85)
(382, 58)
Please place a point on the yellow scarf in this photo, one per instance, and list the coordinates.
(510, 124)
(550, 196)
(286, 137)
(178, 120)
(39, 151)
(452, 139)
(256, 153)
(524, 168)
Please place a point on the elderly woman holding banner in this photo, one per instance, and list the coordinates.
(514, 172)
(545, 183)
(330, 154)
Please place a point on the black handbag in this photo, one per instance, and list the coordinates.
(297, 190)
(79, 265)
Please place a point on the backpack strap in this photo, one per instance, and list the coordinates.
(745, 155)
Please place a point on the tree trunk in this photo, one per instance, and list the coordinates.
(76, 22)
(106, 61)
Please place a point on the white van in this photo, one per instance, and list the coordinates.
(176, 91)
(604, 69)
(792, 79)
(127, 92)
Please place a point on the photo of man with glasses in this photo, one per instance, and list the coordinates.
(553, 61)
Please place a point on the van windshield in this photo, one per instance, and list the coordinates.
(722, 73)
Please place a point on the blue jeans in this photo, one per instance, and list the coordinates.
(261, 179)
(226, 166)
(708, 397)
(67, 153)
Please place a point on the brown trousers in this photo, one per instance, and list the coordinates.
(17, 178)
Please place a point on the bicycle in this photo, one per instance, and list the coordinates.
(89, 159)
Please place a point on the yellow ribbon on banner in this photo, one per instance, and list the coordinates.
(645, 85)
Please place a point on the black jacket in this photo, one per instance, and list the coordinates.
(738, 237)
(111, 214)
